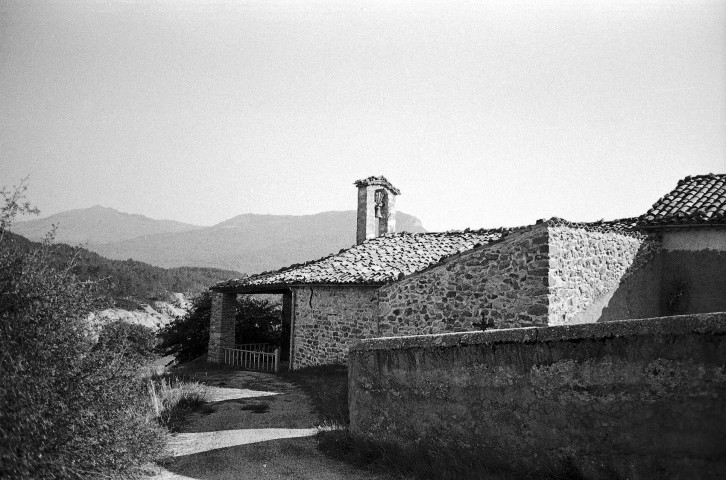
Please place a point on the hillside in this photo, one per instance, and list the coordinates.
(129, 284)
(97, 225)
(249, 243)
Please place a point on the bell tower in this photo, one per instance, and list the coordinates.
(376, 208)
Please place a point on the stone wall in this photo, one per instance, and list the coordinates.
(503, 284)
(635, 399)
(598, 275)
(694, 270)
(328, 319)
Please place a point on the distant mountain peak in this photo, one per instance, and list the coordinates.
(97, 224)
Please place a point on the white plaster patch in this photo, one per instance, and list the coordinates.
(695, 239)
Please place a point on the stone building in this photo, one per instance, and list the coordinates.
(670, 260)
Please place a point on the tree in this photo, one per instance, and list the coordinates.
(188, 337)
(256, 321)
(70, 406)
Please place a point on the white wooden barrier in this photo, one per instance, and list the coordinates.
(262, 357)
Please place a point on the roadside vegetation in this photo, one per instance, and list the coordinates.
(72, 404)
(74, 400)
(173, 398)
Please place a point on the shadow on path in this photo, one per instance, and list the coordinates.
(256, 426)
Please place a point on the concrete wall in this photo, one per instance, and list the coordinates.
(694, 270)
(504, 285)
(600, 275)
(637, 399)
(327, 320)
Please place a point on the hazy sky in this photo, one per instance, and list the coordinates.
(484, 114)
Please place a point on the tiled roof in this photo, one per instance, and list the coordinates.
(620, 225)
(697, 200)
(374, 262)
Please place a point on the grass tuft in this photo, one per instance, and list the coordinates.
(173, 399)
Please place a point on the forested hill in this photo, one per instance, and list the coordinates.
(128, 283)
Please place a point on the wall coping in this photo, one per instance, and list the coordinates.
(701, 323)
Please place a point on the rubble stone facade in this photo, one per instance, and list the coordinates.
(600, 275)
(328, 320)
(503, 284)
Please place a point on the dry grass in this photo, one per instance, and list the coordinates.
(173, 399)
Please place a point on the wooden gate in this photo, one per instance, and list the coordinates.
(253, 356)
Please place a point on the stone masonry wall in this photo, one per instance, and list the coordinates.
(503, 284)
(328, 320)
(636, 399)
(599, 275)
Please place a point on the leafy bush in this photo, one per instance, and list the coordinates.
(256, 321)
(69, 407)
(133, 342)
(188, 337)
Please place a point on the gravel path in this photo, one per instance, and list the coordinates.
(257, 426)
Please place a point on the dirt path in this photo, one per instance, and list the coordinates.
(257, 426)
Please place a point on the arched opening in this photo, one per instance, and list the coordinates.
(381, 213)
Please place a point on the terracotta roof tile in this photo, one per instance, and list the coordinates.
(376, 261)
(621, 225)
(697, 200)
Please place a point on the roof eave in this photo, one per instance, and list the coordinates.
(679, 225)
(283, 288)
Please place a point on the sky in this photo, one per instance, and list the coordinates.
(483, 114)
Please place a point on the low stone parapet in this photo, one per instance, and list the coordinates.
(630, 399)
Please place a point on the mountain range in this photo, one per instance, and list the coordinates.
(248, 243)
